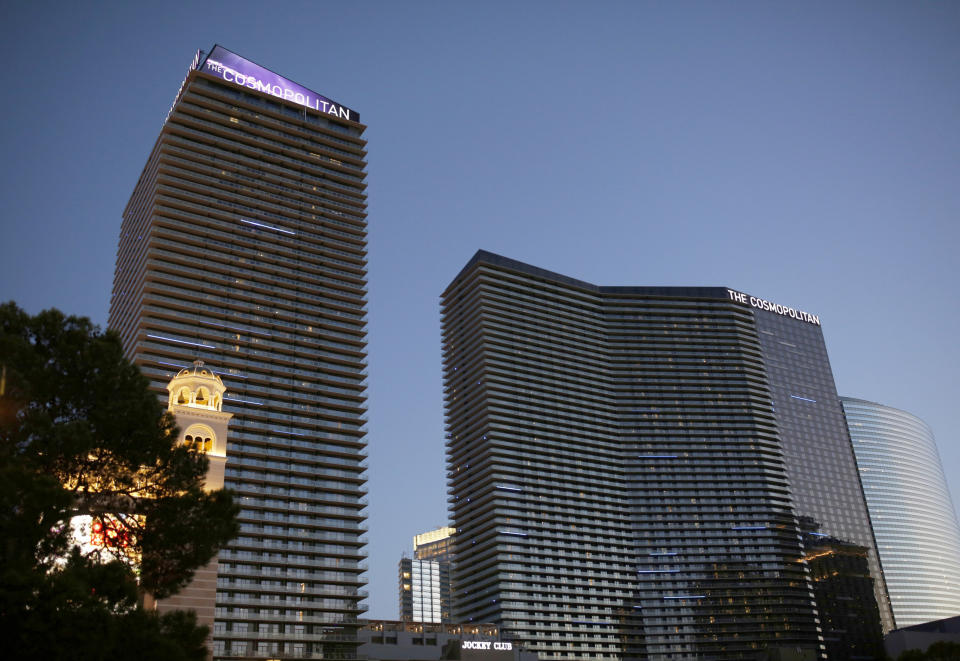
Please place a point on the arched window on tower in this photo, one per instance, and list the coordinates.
(203, 397)
(199, 438)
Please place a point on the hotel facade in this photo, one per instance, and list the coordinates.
(244, 245)
(425, 588)
(910, 506)
(651, 473)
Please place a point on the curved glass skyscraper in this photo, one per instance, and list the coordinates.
(913, 518)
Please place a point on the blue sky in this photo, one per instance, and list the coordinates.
(807, 153)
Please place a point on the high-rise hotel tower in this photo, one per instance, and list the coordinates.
(651, 473)
(244, 245)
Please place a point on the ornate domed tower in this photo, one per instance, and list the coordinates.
(196, 401)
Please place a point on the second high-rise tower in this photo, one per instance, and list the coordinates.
(651, 472)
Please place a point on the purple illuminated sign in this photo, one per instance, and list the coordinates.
(234, 69)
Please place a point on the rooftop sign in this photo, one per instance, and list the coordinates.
(776, 308)
(234, 69)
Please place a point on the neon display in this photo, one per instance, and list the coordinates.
(232, 68)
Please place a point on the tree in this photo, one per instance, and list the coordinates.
(912, 655)
(939, 651)
(943, 651)
(82, 434)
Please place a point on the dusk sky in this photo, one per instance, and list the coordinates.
(807, 153)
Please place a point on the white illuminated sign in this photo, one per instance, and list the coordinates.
(776, 308)
(239, 71)
(485, 645)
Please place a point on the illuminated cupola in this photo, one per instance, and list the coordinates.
(196, 387)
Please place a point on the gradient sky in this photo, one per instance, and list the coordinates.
(807, 153)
